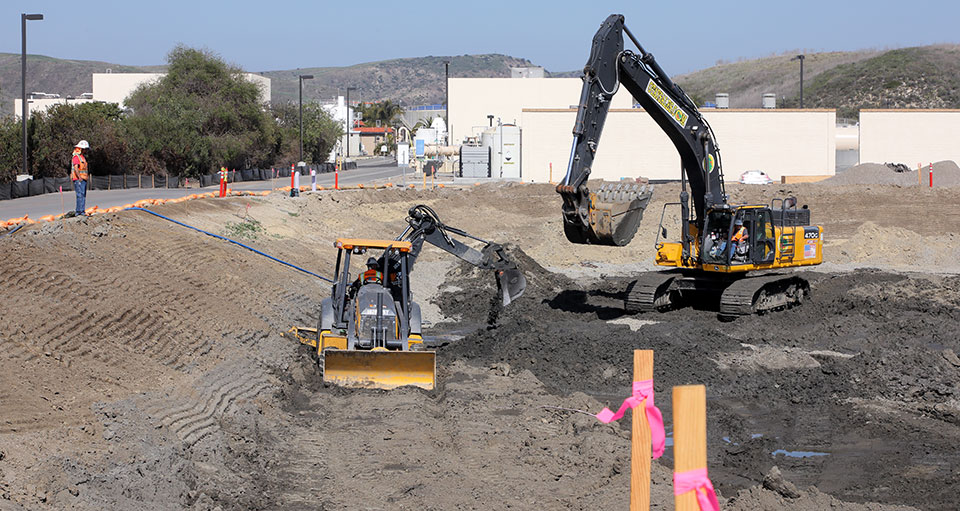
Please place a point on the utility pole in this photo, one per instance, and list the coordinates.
(800, 58)
(302, 78)
(23, 82)
(446, 100)
(349, 123)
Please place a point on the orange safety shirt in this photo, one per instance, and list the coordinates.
(741, 234)
(78, 166)
(371, 276)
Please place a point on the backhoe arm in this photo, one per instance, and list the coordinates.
(612, 214)
(425, 226)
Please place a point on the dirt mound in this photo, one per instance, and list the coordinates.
(945, 173)
(896, 247)
(846, 356)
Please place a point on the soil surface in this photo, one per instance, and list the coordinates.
(144, 366)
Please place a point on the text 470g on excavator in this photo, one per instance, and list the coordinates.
(726, 250)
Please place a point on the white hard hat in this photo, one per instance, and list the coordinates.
(83, 144)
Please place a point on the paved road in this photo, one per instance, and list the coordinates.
(49, 204)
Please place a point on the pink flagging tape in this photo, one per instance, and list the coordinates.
(696, 480)
(642, 393)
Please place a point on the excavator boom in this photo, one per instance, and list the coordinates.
(611, 214)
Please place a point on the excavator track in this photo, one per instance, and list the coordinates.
(651, 292)
(765, 293)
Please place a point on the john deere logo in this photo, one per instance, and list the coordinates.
(667, 104)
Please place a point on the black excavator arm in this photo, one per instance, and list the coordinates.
(425, 226)
(611, 215)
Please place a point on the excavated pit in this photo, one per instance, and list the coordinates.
(143, 366)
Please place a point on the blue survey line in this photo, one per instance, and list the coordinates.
(15, 229)
(268, 256)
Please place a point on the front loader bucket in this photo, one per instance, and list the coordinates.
(613, 215)
(380, 369)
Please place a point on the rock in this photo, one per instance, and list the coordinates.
(774, 481)
(501, 368)
(951, 357)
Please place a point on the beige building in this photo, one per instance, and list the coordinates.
(778, 142)
(473, 99)
(909, 136)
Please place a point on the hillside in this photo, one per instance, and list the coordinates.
(921, 77)
(746, 81)
(53, 75)
(414, 81)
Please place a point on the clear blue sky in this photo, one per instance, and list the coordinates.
(270, 35)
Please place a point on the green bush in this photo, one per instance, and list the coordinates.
(202, 114)
(57, 130)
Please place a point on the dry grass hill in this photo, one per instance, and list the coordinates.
(921, 77)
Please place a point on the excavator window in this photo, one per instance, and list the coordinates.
(717, 237)
(764, 249)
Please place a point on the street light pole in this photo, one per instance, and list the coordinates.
(446, 99)
(800, 58)
(23, 81)
(302, 78)
(349, 123)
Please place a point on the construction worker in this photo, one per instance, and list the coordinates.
(740, 240)
(223, 181)
(79, 175)
(372, 275)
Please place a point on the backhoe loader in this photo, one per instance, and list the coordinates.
(370, 332)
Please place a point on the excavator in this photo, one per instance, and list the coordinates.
(727, 251)
(369, 334)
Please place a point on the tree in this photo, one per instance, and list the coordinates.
(383, 111)
(320, 132)
(202, 114)
(57, 130)
(11, 155)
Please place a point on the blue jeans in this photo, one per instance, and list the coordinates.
(80, 186)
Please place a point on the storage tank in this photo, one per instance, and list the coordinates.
(723, 100)
(769, 100)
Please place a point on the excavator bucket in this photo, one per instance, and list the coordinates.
(614, 213)
(380, 369)
(511, 284)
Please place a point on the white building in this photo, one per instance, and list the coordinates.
(338, 110)
(116, 88)
(41, 102)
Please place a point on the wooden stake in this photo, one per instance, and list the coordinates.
(640, 438)
(689, 436)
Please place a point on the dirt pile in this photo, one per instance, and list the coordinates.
(803, 389)
(945, 173)
(896, 247)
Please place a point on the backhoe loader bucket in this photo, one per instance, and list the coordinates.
(614, 214)
(511, 284)
(380, 369)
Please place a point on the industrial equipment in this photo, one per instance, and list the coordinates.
(722, 245)
(369, 333)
